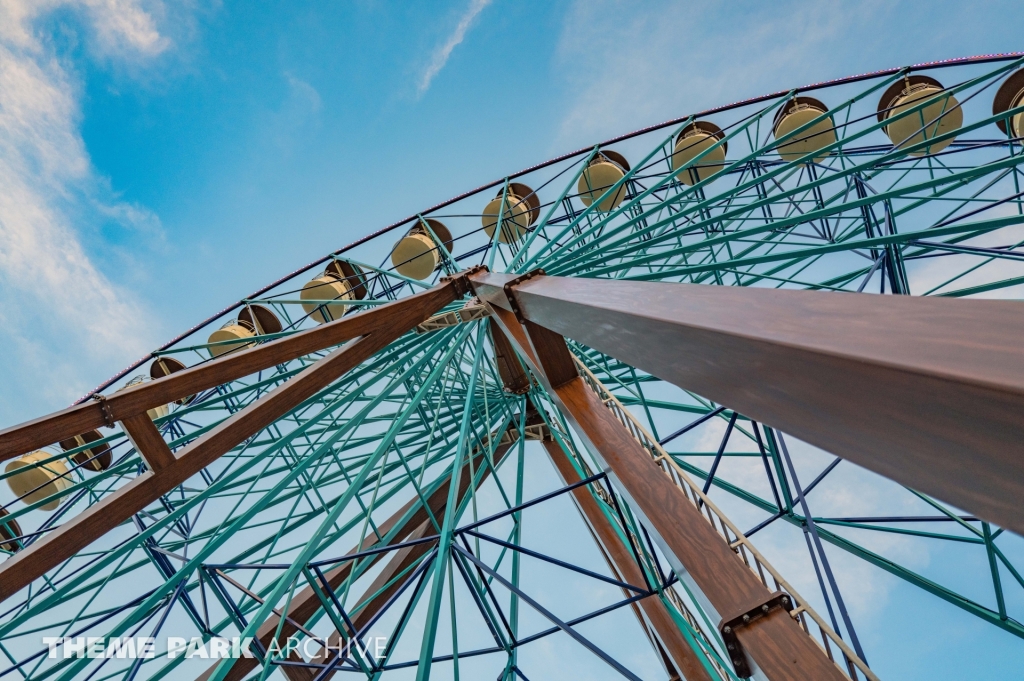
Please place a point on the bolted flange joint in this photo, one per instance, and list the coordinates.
(461, 279)
(108, 417)
(728, 628)
(510, 286)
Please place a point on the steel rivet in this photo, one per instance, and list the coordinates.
(727, 630)
(746, 618)
(764, 608)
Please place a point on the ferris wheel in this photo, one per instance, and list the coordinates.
(626, 385)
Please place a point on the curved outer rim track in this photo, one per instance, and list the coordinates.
(924, 66)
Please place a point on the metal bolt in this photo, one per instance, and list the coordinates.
(746, 618)
(785, 600)
(726, 630)
(731, 647)
(764, 608)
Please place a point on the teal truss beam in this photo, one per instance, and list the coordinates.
(287, 469)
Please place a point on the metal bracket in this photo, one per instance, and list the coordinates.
(524, 389)
(461, 279)
(510, 285)
(471, 312)
(108, 417)
(776, 601)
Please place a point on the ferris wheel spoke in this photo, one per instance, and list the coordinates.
(235, 524)
(267, 456)
(418, 458)
(951, 182)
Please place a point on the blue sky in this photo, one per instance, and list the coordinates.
(160, 160)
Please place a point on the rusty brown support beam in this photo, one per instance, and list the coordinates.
(653, 614)
(928, 392)
(148, 441)
(775, 644)
(513, 377)
(103, 516)
(305, 603)
(699, 552)
(82, 418)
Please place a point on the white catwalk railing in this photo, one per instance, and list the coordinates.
(740, 545)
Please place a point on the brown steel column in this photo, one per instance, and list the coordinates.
(513, 376)
(928, 392)
(400, 315)
(775, 643)
(652, 612)
(74, 535)
(148, 441)
(699, 551)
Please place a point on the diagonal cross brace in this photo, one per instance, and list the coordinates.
(82, 418)
(74, 535)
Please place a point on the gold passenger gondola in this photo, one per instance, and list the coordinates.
(522, 208)
(253, 320)
(94, 459)
(32, 481)
(10, 530)
(1010, 96)
(604, 170)
(796, 113)
(165, 366)
(416, 254)
(340, 281)
(940, 114)
(694, 140)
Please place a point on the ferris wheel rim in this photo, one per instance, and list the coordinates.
(922, 66)
(416, 349)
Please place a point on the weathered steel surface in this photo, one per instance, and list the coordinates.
(725, 581)
(696, 550)
(928, 392)
(513, 376)
(148, 441)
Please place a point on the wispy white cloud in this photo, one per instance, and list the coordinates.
(56, 301)
(119, 26)
(296, 117)
(123, 27)
(304, 93)
(442, 53)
